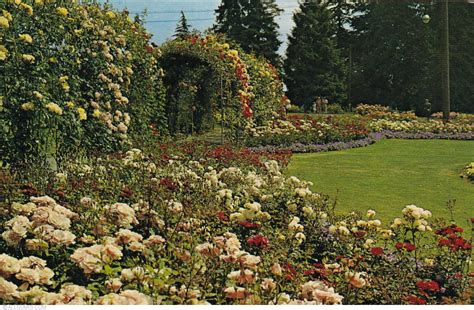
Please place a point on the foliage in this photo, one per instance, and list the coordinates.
(462, 33)
(335, 108)
(313, 66)
(251, 24)
(396, 56)
(69, 79)
(182, 29)
(291, 108)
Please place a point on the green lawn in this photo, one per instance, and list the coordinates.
(392, 174)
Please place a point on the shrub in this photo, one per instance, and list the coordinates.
(368, 109)
(335, 108)
(291, 108)
(468, 172)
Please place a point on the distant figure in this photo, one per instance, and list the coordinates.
(325, 105)
(317, 105)
(427, 108)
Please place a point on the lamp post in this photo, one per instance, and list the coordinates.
(445, 63)
(426, 19)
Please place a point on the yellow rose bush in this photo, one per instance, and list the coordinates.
(74, 77)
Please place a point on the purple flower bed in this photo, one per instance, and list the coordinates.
(373, 137)
(316, 148)
(427, 135)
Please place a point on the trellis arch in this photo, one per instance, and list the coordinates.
(231, 82)
(248, 89)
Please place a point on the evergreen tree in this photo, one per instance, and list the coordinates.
(182, 29)
(461, 20)
(251, 24)
(313, 65)
(397, 58)
(342, 15)
(394, 56)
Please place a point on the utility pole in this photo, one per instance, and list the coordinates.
(445, 66)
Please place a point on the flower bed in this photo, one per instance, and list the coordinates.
(306, 130)
(317, 148)
(468, 172)
(318, 134)
(422, 127)
(383, 112)
(165, 228)
(426, 135)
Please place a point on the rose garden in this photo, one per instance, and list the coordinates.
(113, 189)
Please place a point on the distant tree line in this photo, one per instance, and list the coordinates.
(359, 51)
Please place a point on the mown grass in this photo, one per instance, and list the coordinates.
(392, 174)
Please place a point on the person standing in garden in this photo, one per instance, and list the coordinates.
(325, 103)
(427, 108)
(317, 105)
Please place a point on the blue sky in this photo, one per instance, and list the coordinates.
(163, 15)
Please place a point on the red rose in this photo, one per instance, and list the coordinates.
(222, 216)
(258, 241)
(376, 251)
(432, 286)
(310, 272)
(443, 242)
(249, 225)
(360, 234)
(290, 271)
(399, 245)
(409, 247)
(415, 300)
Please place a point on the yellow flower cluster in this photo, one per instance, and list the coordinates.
(4, 22)
(25, 38)
(7, 15)
(64, 84)
(28, 58)
(62, 11)
(27, 8)
(54, 108)
(82, 114)
(110, 14)
(3, 52)
(28, 106)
